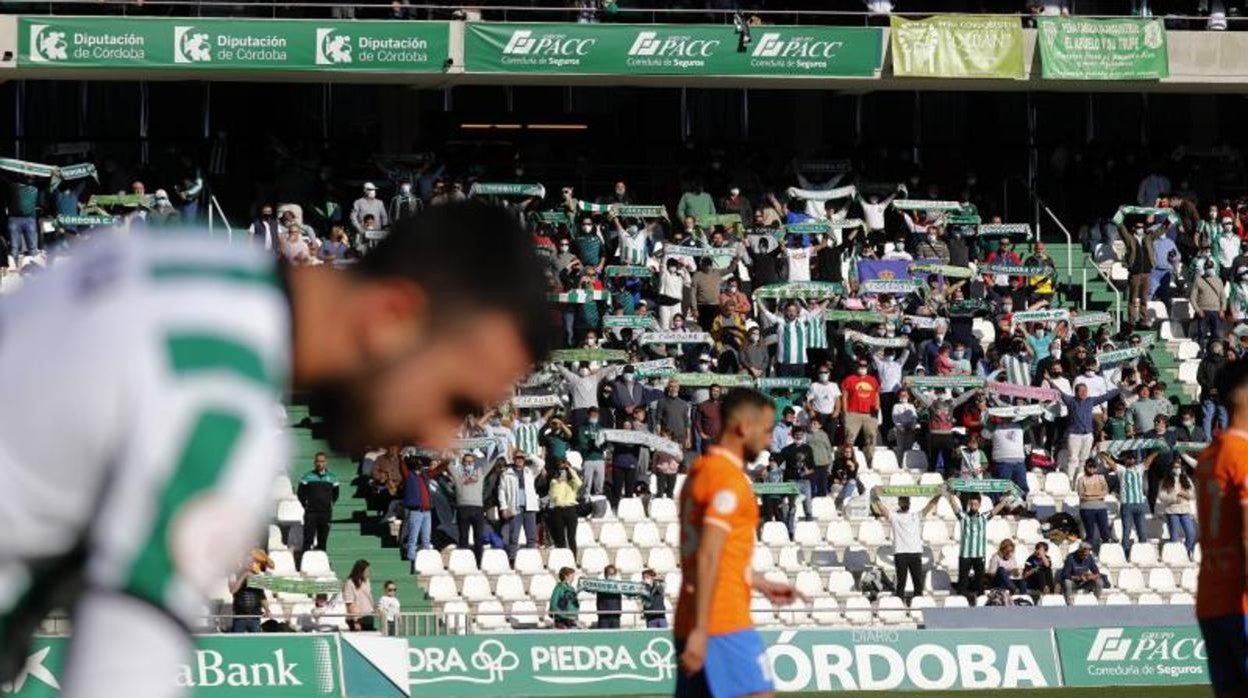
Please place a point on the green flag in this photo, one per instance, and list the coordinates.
(1102, 49)
(958, 46)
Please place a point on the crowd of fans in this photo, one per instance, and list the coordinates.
(881, 319)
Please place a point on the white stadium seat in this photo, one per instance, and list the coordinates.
(1175, 555)
(646, 535)
(289, 511)
(809, 583)
(775, 534)
(823, 508)
(1057, 484)
(1143, 554)
(441, 588)
(510, 587)
(525, 613)
(315, 563)
(858, 610)
(593, 560)
(1052, 600)
(1084, 600)
(556, 559)
(541, 586)
(663, 510)
(1117, 599)
(282, 488)
(892, 610)
(628, 561)
(476, 587)
(490, 615)
(1111, 555)
(935, 532)
(790, 560)
(661, 560)
(871, 532)
(1161, 580)
(612, 535)
(763, 559)
(428, 562)
(825, 611)
(1182, 599)
(805, 533)
(1130, 580)
(283, 563)
(840, 533)
(585, 535)
(529, 561)
(630, 510)
(840, 582)
(461, 562)
(1150, 599)
(494, 562)
(885, 460)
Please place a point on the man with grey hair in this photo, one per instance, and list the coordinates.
(369, 204)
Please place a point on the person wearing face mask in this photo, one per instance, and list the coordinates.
(933, 246)
(1081, 427)
(695, 203)
(589, 245)
(406, 203)
(1140, 263)
(593, 454)
(519, 502)
(634, 242)
(755, 358)
(792, 332)
(561, 517)
(675, 415)
(907, 536)
(1093, 488)
(583, 387)
(860, 403)
(627, 393)
(609, 604)
(1176, 496)
(823, 400)
(369, 204)
(527, 432)
(799, 464)
(1189, 429)
(735, 298)
(674, 281)
(1097, 386)
(619, 194)
(162, 213)
(1208, 302)
(266, 231)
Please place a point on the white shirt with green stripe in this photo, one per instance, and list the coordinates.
(144, 418)
(527, 437)
(974, 541)
(793, 336)
(1132, 483)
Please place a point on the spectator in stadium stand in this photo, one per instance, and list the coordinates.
(561, 517)
(942, 441)
(318, 492)
(22, 206)
(625, 459)
(627, 393)
(519, 502)
(933, 246)
(653, 604)
(1080, 427)
(266, 231)
(335, 247)
(799, 462)
(405, 203)
(823, 452)
(665, 466)
(357, 594)
(782, 433)
(583, 386)
(294, 249)
(1081, 573)
(468, 476)
(1132, 496)
(385, 479)
(1188, 429)
(1004, 284)
(972, 461)
(907, 533)
(735, 203)
(973, 542)
(755, 358)
(1005, 571)
(823, 400)
(367, 205)
(845, 474)
(389, 608)
(1208, 303)
(707, 420)
(162, 213)
(564, 605)
(735, 298)
(418, 502)
(1038, 571)
(695, 203)
(1176, 495)
(706, 286)
(1093, 488)
(1160, 466)
(860, 395)
(609, 604)
(593, 453)
(905, 424)
(674, 415)
(249, 603)
(1211, 404)
(1140, 264)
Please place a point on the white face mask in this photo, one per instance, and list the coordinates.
(1057, 353)
(824, 377)
(370, 193)
(587, 228)
(931, 238)
(405, 188)
(734, 192)
(628, 378)
(584, 372)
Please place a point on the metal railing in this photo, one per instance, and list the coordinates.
(622, 12)
(1070, 253)
(214, 210)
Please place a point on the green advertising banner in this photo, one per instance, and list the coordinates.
(958, 46)
(224, 44)
(643, 662)
(224, 666)
(657, 49)
(1102, 49)
(1132, 656)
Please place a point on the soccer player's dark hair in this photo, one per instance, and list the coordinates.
(1231, 379)
(740, 400)
(469, 257)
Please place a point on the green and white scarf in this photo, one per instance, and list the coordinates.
(675, 337)
(640, 211)
(294, 585)
(775, 488)
(822, 194)
(528, 402)
(637, 322)
(507, 189)
(873, 341)
(612, 586)
(690, 251)
(724, 219)
(653, 442)
(1039, 316)
(55, 173)
(866, 317)
(926, 205)
(655, 368)
(802, 289)
(782, 383)
(1013, 270)
(988, 230)
(126, 200)
(706, 380)
(577, 355)
(76, 220)
(946, 382)
(630, 270)
(946, 270)
(1110, 357)
(894, 286)
(1091, 318)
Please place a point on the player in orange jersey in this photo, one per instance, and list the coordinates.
(720, 652)
(1222, 505)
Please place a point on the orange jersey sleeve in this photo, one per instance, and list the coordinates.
(1221, 492)
(717, 493)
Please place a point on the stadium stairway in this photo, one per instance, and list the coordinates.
(354, 534)
(1165, 353)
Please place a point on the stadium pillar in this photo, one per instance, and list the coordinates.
(19, 120)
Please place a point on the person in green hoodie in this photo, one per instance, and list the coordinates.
(564, 606)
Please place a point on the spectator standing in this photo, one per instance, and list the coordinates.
(792, 333)
(468, 476)
(665, 466)
(406, 203)
(860, 401)
(756, 359)
(318, 491)
(907, 532)
(23, 212)
(973, 543)
(609, 604)
(823, 400)
(1080, 428)
(845, 474)
(163, 214)
(1212, 408)
(562, 517)
(357, 594)
(368, 205)
(799, 460)
(905, 425)
(518, 503)
(593, 454)
(653, 604)
(1140, 264)
(335, 247)
(1092, 489)
(418, 502)
(821, 449)
(388, 608)
(266, 231)
(674, 415)
(249, 603)
(1009, 453)
(695, 203)
(583, 387)
(1081, 573)
(1132, 494)
(564, 606)
(1175, 497)
(707, 420)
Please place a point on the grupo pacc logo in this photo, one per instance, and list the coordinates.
(47, 46)
(649, 43)
(1109, 646)
(332, 48)
(191, 45)
(524, 42)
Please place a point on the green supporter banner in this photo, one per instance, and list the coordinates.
(782, 383)
(1102, 49)
(627, 270)
(946, 270)
(269, 665)
(612, 586)
(775, 488)
(945, 382)
(571, 355)
(802, 289)
(994, 230)
(227, 44)
(637, 322)
(958, 46)
(650, 49)
(640, 662)
(1091, 318)
(295, 585)
(706, 380)
(1132, 656)
(76, 220)
(866, 317)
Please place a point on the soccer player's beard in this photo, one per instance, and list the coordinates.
(345, 407)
